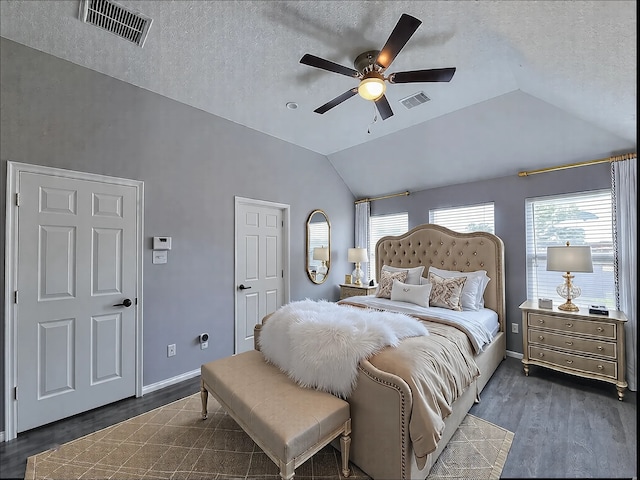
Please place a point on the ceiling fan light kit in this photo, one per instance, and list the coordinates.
(372, 86)
(371, 65)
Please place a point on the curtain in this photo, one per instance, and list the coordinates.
(363, 210)
(624, 178)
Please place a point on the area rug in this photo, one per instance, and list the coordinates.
(173, 442)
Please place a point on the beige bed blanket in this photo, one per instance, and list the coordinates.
(438, 368)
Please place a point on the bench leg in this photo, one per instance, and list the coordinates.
(204, 398)
(345, 445)
(287, 470)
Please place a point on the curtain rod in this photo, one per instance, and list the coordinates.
(616, 158)
(362, 200)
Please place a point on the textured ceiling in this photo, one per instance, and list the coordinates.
(538, 83)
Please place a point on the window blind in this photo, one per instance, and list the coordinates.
(381, 226)
(581, 219)
(471, 218)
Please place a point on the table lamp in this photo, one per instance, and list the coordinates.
(569, 259)
(358, 255)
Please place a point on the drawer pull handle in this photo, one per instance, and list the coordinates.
(541, 320)
(569, 362)
(541, 354)
(600, 329)
(600, 348)
(569, 325)
(540, 337)
(569, 343)
(600, 367)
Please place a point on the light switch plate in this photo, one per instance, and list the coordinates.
(160, 256)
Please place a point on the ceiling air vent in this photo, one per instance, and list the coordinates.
(116, 19)
(415, 100)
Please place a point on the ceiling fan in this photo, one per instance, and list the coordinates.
(370, 67)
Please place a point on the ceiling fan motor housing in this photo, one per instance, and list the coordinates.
(366, 62)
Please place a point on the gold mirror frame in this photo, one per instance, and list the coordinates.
(318, 241)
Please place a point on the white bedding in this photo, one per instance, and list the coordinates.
(481, 325)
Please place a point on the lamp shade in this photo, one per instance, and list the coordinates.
(357, 255)
(569, 259)
(321, 253)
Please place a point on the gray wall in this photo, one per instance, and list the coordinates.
(508, 195)
(58, 114)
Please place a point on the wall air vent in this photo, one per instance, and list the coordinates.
(115, 18)
(415, 100)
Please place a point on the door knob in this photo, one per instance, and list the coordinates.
(242, 287)
(125, 303)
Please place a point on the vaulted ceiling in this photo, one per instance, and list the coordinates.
(537, 83)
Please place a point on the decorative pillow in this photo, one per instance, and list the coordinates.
(413, 274)
(386, 282)
(446, 292)
(404, 292)
(473, 291)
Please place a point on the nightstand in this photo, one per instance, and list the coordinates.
(577, 343)
(350, 290)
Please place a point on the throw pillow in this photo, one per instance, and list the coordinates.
(386, 282)
(473, 291)
(413, 274)
(446, 292)
(404, 292)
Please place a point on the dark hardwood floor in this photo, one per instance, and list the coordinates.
(565, 427)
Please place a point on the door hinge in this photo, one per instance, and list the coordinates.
(136, 300)
(15, 393)
(282, 274)
(17, 199)
(15, 296)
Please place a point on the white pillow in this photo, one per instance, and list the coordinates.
(404, 292)
(472, 297)
(413, 274)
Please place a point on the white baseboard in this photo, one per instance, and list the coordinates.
(514, 354)
(170, 381)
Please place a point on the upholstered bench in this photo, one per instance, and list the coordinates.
(288, 422)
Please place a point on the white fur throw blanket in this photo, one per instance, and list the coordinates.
(319, 344)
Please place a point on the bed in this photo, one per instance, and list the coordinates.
(384, 411)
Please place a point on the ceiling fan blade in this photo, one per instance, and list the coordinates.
(431, 75)
(384, 108)
(404, 29)
(318, 62)
(336, 101)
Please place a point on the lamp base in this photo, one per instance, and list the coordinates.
(568, 307)
(357, 275)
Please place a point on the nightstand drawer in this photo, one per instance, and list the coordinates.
(585, 327)
(602, 368)
(347, 291)
(575, 344)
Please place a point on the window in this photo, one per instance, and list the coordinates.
(381, 226)
(472, 218)
(581, 219)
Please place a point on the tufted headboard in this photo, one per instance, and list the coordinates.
(448, 250)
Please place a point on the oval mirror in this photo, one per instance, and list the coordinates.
(318, 253)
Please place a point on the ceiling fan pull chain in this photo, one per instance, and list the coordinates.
(375, 119)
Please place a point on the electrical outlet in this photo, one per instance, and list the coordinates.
(204, 345)
(171, 350)
(514, 328)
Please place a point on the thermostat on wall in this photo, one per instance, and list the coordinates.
(162, 243)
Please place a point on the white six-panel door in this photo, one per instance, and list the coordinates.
(76, 274)
(261, 265)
